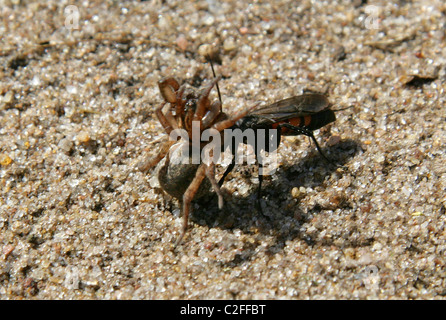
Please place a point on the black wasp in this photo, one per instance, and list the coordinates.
(299, 115)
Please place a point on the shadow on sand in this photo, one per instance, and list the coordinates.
(281, 215)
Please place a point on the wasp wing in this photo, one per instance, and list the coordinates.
(298, 106)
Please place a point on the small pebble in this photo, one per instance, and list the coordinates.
(5, 159)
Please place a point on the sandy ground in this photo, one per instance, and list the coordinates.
(78, 90)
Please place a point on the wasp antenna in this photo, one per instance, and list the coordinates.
(213, 72)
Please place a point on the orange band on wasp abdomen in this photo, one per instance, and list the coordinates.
(307, 121)
(295, 121)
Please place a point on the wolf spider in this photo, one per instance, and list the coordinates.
(183, 181)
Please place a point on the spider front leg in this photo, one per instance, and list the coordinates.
(180, 103)
(168, 88)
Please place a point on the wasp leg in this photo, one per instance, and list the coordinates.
(259, 189)
(228, 169)
(224, 124)
(305, 132)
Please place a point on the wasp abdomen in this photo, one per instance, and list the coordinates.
(310, 122)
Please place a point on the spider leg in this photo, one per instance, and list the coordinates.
(213, 113)
(189, 196)
(179, 107)
(210, 174)
(170, 117)
(153, 161)
(224, 124)
(168, 88)
(167, 121)
(162, 119)
(203, 100)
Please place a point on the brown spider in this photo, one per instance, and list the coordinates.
(183, 181)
